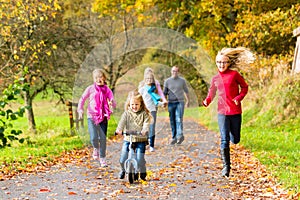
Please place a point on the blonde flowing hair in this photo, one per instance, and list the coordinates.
(238, 57)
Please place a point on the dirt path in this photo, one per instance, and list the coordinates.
(187, 171)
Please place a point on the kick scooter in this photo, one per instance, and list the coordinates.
(131, 165)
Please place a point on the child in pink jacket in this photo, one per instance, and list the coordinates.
(101, 102)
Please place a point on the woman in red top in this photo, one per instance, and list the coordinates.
(232, 89)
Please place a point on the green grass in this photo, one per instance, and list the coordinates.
(205, 116)
(277, 147)
(34, 151)
(52, 138)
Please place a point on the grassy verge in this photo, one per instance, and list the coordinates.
(276, 146)
(53, 136)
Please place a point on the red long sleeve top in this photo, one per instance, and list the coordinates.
(230, 86)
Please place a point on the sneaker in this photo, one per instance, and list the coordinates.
(152, 149)
(122, 174)
(180, 140)
(96, 154)
(173, 141)
(143, 176)
(103, 162)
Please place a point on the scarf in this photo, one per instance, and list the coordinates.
(155, 97)
(101, 105)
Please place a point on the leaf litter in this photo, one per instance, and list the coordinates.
(191, 170)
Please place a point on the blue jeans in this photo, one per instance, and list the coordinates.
(98, 135)
(176, 111)
(230, 129)
(140, 155)
(152, 129)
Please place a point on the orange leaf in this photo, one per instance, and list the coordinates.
(189, 181)
(44, 190)
(72, 193)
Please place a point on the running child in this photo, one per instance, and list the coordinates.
(101, 102)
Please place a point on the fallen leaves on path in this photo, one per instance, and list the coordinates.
(183, 175)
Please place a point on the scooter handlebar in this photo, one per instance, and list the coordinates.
(132, 133)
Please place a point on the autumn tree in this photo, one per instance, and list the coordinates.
(121, 18)
(263, 26)
(36, 40)
(49, 41)
(24, 46)
(119, 22)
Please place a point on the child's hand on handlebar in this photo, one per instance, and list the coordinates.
(118, 132)
(144, 133)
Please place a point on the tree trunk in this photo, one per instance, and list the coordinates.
(29, 112)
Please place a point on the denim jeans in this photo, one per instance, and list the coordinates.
(152, 129)
(140, 155)
(98, 135)
(176, 111)
(230, 129)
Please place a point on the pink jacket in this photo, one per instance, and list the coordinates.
(230, 86)
(99, 98)
(159, 90)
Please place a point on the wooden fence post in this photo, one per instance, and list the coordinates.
(72, 107)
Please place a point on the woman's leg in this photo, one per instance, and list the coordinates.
(152, 129)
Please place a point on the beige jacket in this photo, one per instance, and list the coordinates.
(131, 121)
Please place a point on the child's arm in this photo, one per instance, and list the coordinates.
(146, 123)
(244, 89)
(122, 124)
(111, 100)
(211, 94)
(159, 91)
(119, 132)
(81, 102)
